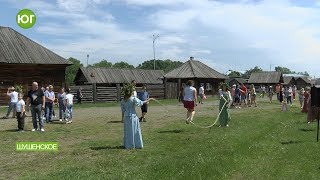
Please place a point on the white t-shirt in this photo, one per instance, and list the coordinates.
(189, 93)
(134, 93)
(201, 90)
(19, 105)
(69, 98)
(14, 97)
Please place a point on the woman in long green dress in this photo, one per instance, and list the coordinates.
(225, 98)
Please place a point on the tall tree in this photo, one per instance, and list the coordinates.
(103, 63)
(165, 65)
(284, 70)
(72, 70)
(122, 64)
(248, 73)
(234, 74)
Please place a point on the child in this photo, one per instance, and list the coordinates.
(20, 109)
(143, 96)
(284, 105)
(68, 105)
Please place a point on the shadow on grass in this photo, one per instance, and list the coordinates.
(106, 148)
(290, 142)
(11, 130)
(114, 121)
(172, 131)
(306, 130)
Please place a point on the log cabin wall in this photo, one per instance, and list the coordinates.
(25, 74)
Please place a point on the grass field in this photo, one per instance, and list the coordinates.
(261, 143)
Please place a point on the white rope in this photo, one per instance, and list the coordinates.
(206, 127)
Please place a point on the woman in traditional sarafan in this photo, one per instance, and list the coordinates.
(132, 130)
(225, 100)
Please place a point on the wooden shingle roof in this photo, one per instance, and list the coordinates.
(113, 75)
(271, 77)
(16, 48)
(288, 79)
(195, 69)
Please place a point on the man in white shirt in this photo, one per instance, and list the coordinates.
(201, 93)
(13, 101)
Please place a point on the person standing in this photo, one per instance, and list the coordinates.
(305, 101)
(79, 95)
(263, 91)
(143, 96)
(13, 101)
(132, 131)
(290, 94)
(20, 107)
(50, 97)
(253, 95)
(278, 89)
(301, 97)
(233, 92)
(294, 92)
(243, 93)
(62, 107)
(281, 94)
(37, 100)
(201, 94)
(237, 97)
(68, 104)
(225, 100)
(133, 82)
(270, 94)
(181, 94)
(190, 100)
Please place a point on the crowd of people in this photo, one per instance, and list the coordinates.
(41, 102)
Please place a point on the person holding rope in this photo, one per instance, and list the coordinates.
(189, 100)
(132, 130)
(225, 98)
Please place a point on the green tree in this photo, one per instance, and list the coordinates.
(304, 73)
(284, 70)
(248, 73)
(72, 70)
(103, 63)
(234, 74)
(165, 65)
(122, 64)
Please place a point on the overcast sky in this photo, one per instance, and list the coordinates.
(225, 34)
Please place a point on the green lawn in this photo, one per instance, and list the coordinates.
(261, 143)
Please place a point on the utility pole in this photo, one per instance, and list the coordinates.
(154, 37)
(87, 60)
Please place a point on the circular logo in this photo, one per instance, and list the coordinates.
(26, 18)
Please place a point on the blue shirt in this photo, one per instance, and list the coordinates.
(143, 96)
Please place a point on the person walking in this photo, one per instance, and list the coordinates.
(190, 100)
(37, 100)
(301, 97)
(201, 94)
(270, 94)
(305, 101)
(13, 101)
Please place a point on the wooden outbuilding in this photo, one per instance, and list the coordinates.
(23, 61)
(269, 78)
(199, 72)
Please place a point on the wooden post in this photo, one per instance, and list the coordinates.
(94, 92)
(118, 92)
(179, 87)
(165, 88)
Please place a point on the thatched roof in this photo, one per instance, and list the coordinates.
(195, 69)
(16, 48)
(271, 77)
(112, 75)
(288, 79)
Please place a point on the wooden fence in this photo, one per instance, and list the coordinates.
(100, 93)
